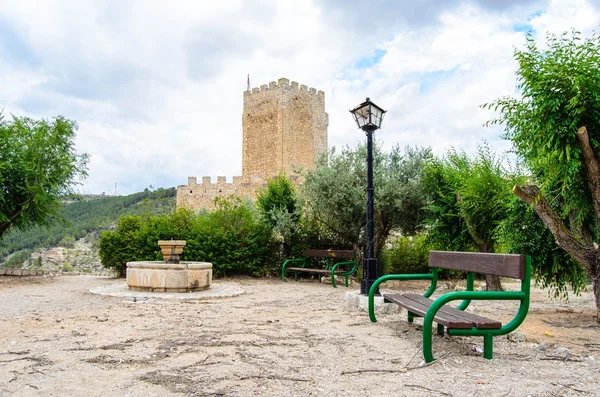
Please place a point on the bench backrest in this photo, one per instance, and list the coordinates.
(506, 265)
(329, 253)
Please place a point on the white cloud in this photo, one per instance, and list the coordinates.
(157, 90)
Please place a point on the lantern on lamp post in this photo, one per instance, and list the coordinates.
(369, 117)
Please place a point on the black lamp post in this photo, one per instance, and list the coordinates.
(368, 117)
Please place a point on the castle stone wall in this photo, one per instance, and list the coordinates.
(284, 128)
(196, 196)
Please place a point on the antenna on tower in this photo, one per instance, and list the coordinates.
(248, 89)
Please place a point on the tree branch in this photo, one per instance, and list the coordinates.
(591, 169)
(585, 255)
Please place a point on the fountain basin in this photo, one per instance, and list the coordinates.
(156, 276)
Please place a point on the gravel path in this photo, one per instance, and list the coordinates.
(277, 339)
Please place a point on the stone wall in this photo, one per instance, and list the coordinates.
(195, 196)
(284, 128)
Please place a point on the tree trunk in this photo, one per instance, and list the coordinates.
(596, 284)
(492, 283)
(586, 255)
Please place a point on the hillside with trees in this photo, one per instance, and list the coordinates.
(82, 217)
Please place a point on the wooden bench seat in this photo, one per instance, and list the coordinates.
(456, 320)
(447, 316)
(330, 267)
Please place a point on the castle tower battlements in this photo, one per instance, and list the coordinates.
(284, 128)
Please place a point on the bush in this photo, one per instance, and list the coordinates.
(18, 259)
(407, 255)
(232, 238)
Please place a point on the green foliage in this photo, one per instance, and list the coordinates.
(523, 232)
(466, 200)
(407, 255)
(122, 245)
(232, 238)
(279, 195)
(38, 165)
(18, 259)
(85, 216)
(334, 194)
(280, 209)
(560, 92)
(560, 89)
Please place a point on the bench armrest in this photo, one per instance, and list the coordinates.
(428, 276)
(295, 260)
(353, 263)
(521, 296)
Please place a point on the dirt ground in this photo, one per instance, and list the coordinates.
(277, 339)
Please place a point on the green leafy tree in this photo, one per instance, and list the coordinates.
(555, 129)
(466, 202)
(334, 193)
(279, 208)
(38, 166)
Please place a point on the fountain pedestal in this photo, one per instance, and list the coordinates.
(170, 275)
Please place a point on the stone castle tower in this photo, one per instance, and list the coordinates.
(284, 128)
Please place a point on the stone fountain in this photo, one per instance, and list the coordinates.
(169, 275)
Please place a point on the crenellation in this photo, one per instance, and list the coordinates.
(206, 180)
(192, 181)
(283, 84)
(221, 180)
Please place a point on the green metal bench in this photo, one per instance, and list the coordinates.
(344, 269)
(456, 320)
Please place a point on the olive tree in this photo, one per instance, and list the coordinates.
(334, 193)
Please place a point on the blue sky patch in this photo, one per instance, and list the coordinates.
(365, 62)
(522, 27)
(14, 47)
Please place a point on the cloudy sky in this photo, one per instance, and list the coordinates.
(156, 87)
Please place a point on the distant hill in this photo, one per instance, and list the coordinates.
(84, 217)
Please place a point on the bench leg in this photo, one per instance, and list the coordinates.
(411, 317)
(296, 276)
(346, 281)
(440, 330)
(488, 346)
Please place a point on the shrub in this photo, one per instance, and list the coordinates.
(407, 255)
(232, 238)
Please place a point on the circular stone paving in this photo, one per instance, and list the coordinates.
(215, 291)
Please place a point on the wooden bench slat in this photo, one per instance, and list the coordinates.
(312, 270)
(479, 321)
(329, 253)
(447, 316)
(420, 309)
(507, 265)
